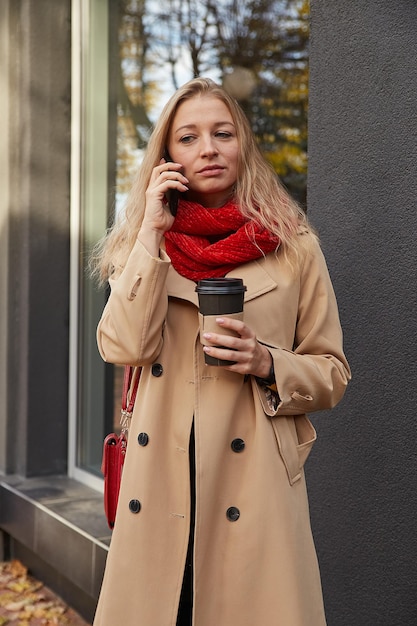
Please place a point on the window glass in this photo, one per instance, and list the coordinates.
(257, 49)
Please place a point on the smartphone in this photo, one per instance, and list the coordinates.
(172, 195)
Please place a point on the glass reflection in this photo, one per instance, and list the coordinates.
(258, 50)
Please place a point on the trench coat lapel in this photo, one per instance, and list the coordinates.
(255, 278)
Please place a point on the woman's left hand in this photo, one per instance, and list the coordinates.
(251, 356)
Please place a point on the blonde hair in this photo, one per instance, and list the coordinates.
(258, 192)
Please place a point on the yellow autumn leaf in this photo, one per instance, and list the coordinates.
(16, 568)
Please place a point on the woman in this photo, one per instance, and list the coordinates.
(214, 467)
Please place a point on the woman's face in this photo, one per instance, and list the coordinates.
(203, 139)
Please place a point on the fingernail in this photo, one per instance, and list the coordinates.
(207, 335)
(219, 320)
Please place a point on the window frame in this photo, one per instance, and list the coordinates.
(89, 116)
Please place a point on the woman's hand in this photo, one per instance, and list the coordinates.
(157, 217)
(251, 356)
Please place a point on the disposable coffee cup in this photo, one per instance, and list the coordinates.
(219, 297)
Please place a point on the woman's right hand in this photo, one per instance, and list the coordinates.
(165, 176)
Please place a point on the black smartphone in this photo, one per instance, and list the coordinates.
(172, 195)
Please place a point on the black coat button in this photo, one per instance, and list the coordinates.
(233, 514)
(134, 506)
(157, 370)
(143, 439)
(237, 445)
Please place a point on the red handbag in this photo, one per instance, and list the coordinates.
(114, 446)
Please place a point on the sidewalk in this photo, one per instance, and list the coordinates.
(24, 601)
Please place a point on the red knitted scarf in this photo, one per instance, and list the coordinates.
(209, 243)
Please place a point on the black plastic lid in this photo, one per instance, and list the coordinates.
(220, 286)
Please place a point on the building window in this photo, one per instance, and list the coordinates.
(132, 55)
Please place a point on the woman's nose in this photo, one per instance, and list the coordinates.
(208, 147)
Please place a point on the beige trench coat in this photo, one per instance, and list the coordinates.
(261, 568)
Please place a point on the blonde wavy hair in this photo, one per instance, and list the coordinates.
(258, 191)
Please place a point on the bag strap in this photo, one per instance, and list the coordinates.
(128, 402)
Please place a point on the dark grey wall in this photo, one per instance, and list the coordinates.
(362, 198)
(36, 357)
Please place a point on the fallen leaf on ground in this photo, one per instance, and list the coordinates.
(25, 601)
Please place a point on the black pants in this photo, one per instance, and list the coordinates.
(185, 610)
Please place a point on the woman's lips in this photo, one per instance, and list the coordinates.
(211, 170)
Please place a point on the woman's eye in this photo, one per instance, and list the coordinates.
(223, 134)
(186, 138)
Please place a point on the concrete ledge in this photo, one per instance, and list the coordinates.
(57, 527)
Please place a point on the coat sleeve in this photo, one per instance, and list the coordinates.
(313, 375)
(130, 329)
